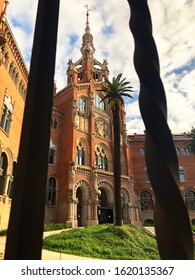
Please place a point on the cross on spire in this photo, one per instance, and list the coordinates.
(88, 9)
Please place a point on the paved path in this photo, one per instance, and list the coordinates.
(151, 229)
(46, 255)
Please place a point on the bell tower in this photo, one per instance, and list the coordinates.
(87, 69)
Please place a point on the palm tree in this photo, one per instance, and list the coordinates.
(191, 142)
(115, 90)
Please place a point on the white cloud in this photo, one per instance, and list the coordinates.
(173, 28)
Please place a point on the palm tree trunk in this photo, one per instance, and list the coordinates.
(117, 167)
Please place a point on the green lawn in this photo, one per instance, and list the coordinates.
(105, 242)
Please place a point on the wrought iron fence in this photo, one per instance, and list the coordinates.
(24, 239)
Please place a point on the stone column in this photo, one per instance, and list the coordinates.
(89, 209)
(70, 211)
(125, 213)
(95, 213)
(6, 184)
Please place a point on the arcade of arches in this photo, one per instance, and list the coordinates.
(92, 206)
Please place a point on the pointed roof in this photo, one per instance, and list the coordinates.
(87, 68)
(87, 48)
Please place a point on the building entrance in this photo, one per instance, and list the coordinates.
(79, 207)
(105, 212)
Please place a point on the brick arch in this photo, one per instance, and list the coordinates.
(56, 178)
(10, 159)
(84, 186)
(108, 187)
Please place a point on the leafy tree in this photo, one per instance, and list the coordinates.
(191, 142)
(115, 90)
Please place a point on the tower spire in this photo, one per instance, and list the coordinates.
(87, 48)
(87, 29)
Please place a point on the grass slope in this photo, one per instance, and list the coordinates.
(105, 242)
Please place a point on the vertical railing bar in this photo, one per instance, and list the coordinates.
(172, 225)
(25, 231)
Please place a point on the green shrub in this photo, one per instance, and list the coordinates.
(50, 227)
(3, 232)
(105, 242)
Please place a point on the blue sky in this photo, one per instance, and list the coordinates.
(173, 28)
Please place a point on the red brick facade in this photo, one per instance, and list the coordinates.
(80, 174)
(142, 186)
(83, 143)
(13, 83)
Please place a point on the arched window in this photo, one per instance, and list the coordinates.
(146, 202)
(11, 68)
(6, 118)
(51, 192)
(181, 174)
(184, 151)
(3, 171)
(11, 181)
(52, 156)
(81, 103)
(147, 176)
(80, 154)
(178, 151)
(21, 89)
(101, 159)
(55, 124)
(99, 103)
(143, 152)
(189, 198)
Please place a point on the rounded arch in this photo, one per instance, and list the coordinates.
(10, 158)
(108, 188)
(146, 201)
(193, 221)
(84, 186)
(3, 171)
(106, 202)
(99, 103)
(103, 157)
(11, 184)
(54, 175)
(148, 222)
(82, 104)
(82, 147)
(82, 195)
(189, 198)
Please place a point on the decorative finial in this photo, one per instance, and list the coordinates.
(2, 24)
(87, 30)
(88, 9)
(4, 10)
(87, 14)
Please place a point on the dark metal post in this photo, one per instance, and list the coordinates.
(172, 225)
(25, 231)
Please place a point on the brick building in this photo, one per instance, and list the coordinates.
(80, 172)
(13, 83)
(142, 186)
(80, 181)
